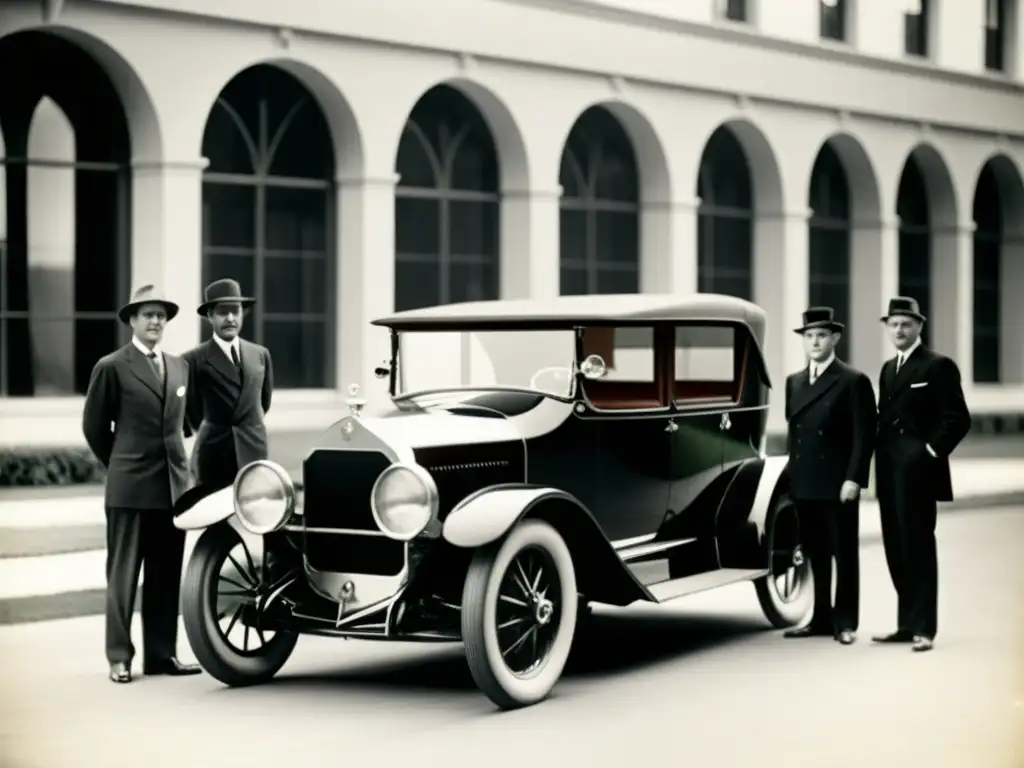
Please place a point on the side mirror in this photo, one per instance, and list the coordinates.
(593, 367)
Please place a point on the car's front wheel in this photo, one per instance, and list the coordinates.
(786, 594)
(222, 595)
(519, 606)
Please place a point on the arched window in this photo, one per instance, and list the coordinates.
(829, 235)
(447, 204)
(268, 199)
(988, 245)
(912, 208)
(64, 265)
(599, 220)
(725, 218)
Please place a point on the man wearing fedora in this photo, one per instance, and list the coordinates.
(830, 410)
(922, 417)
(231, 384)
(133, 420)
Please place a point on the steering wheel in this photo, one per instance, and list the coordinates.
(558, 372)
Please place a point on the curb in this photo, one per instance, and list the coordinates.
(90, 602)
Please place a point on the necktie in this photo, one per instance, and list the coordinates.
(158, 369)
(814, 373)
(236, 360)
(899, 362)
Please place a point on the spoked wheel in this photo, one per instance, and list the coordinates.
(223, 594)
(519, 607)
(786, 594)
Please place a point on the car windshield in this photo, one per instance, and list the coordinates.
(535, 360)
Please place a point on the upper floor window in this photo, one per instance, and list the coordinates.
(915, 28)
(995, 35)
(833, 19)
(733, 10)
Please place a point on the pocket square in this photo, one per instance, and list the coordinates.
(919, 384)
(181, 391)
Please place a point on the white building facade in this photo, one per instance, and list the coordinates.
(344, 159)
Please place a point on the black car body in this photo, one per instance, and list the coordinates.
(491, 513)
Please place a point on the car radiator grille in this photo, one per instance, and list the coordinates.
(341, 534)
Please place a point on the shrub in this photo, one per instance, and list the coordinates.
(48, 466)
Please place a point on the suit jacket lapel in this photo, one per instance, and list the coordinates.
(143, 371)
(174, 378)
(906, 373)
(221, 363)
(808, 394)
(250, 361)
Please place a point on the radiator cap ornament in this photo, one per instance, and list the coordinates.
(354, 402)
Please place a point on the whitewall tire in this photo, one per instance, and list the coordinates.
(519, 607)
(222, 587)
(786, 594)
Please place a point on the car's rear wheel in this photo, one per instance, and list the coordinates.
(786, 594)
(519, 606)
(223, 593)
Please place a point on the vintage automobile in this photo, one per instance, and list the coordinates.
(537, 457)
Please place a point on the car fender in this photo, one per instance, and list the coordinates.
(487, 515)
(203, 506)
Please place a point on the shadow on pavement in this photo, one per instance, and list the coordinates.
(606, 646)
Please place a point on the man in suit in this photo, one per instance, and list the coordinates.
(133, 418)
(922, 417)
(830, 409)
(231, 384)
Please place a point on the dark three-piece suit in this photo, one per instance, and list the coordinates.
(226, 405)
(830, 440)
(147, 471)
(920, 406)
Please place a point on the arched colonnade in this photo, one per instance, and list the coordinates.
(332, 215)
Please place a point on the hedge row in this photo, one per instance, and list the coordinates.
(48, 466)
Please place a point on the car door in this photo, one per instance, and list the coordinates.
(629, 410)
(703, 373)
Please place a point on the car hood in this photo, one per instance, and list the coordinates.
(457, 422)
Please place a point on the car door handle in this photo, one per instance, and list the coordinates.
(726, 423)
(671, 427)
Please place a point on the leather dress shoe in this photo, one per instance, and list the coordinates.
(846, 637)
(900, 636)
(922, 643)
(808, 631)
(171, 667)
(120, 672)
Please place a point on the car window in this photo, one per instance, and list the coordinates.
(705, 363)
(629, 354)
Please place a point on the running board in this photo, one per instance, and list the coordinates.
(645, 551)
(670, 590)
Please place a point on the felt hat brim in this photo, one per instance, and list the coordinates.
(124, 313)
(206, 306)
(829, 325)
(904, 313)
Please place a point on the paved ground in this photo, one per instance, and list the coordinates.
(700, 683)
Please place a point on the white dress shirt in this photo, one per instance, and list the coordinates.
(159, 359)
(816, 369)
(227, 346)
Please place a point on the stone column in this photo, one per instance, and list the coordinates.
(167, 208)
(530, 243)
(952, 314)
(874, 279)
(781, 288)
(668, 247)
(365, 282)
(1011, 306)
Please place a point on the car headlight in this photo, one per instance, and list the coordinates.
(264, 497)
(404, 501)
